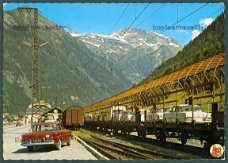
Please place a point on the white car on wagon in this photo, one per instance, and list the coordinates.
(183, 114)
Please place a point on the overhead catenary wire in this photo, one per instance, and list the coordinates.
(185, 31)
(177, 12)
(119, 18)
(150, 15)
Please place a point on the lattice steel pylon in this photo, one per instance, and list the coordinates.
(35, 59)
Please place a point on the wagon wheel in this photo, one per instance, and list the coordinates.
(160, 135)
(30, 148)
(184, 138)
(59, 145)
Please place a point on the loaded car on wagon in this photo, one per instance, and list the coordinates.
(157, 115)
(187, 113)
(46, 134)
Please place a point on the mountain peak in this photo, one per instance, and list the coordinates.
(138, 31)
(136, 36)
(126, 46)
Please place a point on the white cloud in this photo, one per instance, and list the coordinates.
(195, 33)
(205, 22)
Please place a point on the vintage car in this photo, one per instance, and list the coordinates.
(47, 133)
(183, 114)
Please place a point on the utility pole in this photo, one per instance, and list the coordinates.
(35, 59)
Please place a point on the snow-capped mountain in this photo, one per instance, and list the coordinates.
(135, 51)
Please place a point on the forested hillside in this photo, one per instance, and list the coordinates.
(210, 42)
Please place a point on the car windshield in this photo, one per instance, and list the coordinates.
(45, 127)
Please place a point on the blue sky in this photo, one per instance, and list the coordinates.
(101, 17)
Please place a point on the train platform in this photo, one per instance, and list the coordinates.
(81, 152)
(13, 150)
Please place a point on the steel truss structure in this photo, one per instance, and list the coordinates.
(200, 80)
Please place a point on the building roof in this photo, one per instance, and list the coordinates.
(54, 110)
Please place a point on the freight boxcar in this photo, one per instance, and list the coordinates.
(73, 117)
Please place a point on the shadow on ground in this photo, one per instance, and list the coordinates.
(36, 150)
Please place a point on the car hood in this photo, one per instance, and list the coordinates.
(34, 135)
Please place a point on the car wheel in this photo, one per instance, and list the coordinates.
(30, 148)
(59, 145)
(68, 143)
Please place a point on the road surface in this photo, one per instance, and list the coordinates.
(12, 150)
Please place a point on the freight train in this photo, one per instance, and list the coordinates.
(182, 121)
(185, 104)
(73, 117)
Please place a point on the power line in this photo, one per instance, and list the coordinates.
(177, 12)
(119, 18)
(151, 15)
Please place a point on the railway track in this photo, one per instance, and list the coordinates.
(145, 152)
(204, 153)
(172, 145)
(119, 151)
